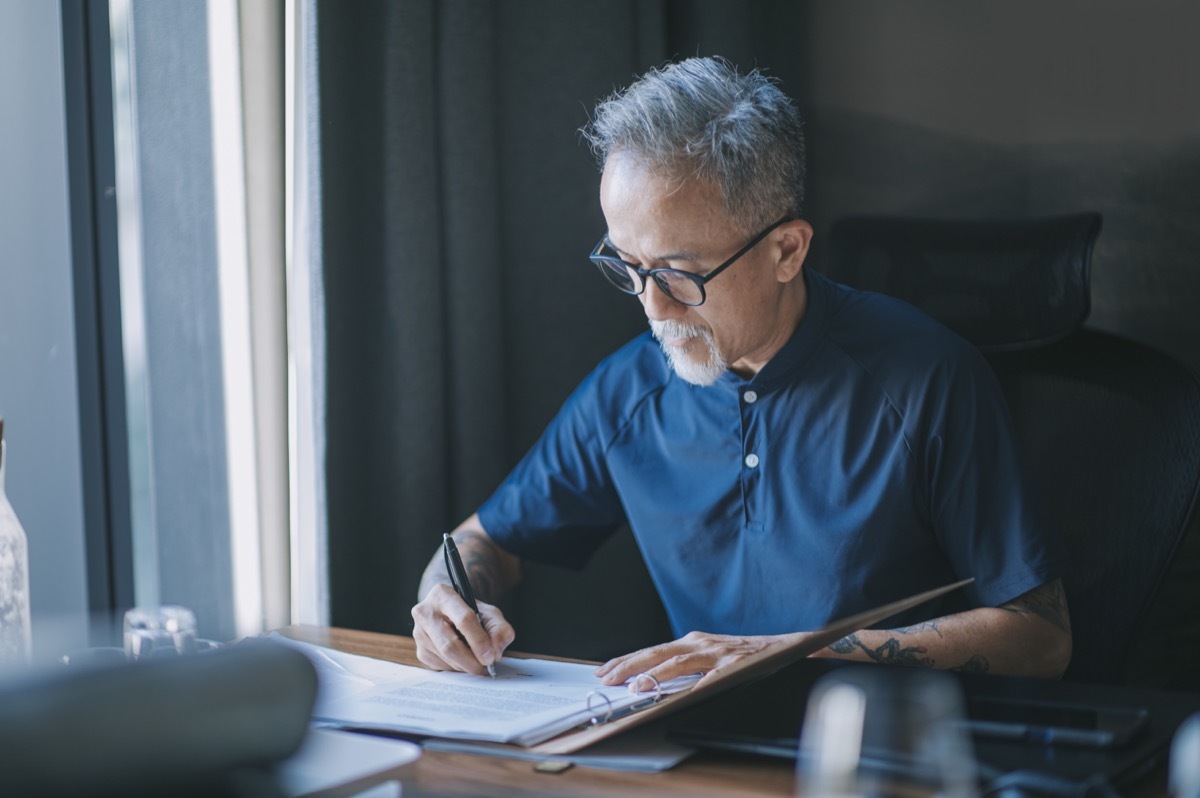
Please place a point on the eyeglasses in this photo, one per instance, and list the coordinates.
(684, 287)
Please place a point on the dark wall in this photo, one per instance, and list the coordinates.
(937, 108)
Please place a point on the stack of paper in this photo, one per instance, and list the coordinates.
(529, 701)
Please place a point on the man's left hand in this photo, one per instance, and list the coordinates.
(695, 652)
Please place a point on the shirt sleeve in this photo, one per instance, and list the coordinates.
(983, 509)
(559, 504)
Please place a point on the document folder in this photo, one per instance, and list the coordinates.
(537, 705)
(745, 670)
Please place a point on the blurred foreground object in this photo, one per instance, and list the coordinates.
(1185, 760)
(14, 579)
(208, 725)
(875, 731)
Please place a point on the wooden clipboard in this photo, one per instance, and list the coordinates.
(756, 665)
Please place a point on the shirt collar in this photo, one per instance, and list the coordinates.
(804, 340)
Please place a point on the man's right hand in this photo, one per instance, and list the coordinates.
(449, 636)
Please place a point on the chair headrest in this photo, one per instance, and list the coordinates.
(1002, 284)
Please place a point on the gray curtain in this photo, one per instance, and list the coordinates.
(458, 204)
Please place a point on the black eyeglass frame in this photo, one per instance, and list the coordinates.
(601, 260)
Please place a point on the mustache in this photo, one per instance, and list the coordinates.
(663, 330)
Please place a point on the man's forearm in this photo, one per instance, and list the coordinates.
(1029, 636)
(924, 645)
(492, 571)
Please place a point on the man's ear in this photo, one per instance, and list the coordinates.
(793, 249)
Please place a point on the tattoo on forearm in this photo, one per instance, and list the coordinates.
(474, 548)
(847, 645)
(482, 570)
(890, 653)
(1048, 602)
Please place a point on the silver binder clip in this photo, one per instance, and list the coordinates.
(597, 719)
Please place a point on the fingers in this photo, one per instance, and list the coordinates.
(426, 652)
(695, 652)
(448, 634)
(439, 646)
(664, 662)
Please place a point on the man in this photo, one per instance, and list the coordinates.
(787, 451)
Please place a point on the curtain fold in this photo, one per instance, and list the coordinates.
(469, 152)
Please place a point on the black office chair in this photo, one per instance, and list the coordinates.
(1109, 428)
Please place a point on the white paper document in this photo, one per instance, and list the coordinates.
(529, 701)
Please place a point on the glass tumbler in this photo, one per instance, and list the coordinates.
(159, 632)
(876, 731)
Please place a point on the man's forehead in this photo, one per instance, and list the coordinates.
(662, 218)
(627, 172)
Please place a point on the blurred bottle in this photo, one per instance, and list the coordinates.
(14, 579)
(1185, 759)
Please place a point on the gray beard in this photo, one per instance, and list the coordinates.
(698, 372)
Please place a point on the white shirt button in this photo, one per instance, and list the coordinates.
(751, 460)
(750, 396)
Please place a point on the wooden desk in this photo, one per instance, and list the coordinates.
(443, 774)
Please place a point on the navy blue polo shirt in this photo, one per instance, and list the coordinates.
(871, 458)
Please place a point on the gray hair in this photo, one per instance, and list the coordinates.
(701, 118)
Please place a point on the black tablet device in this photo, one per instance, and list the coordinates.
(1054, 722)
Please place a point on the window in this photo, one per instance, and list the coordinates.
(199, 113)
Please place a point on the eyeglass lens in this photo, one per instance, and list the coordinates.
(675, 284)
(619, 275)
(679, 287)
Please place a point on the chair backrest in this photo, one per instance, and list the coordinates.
(1002, 284)
(1109, 428)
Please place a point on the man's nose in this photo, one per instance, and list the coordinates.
(658, 305)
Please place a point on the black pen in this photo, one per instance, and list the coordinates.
(462, 585)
